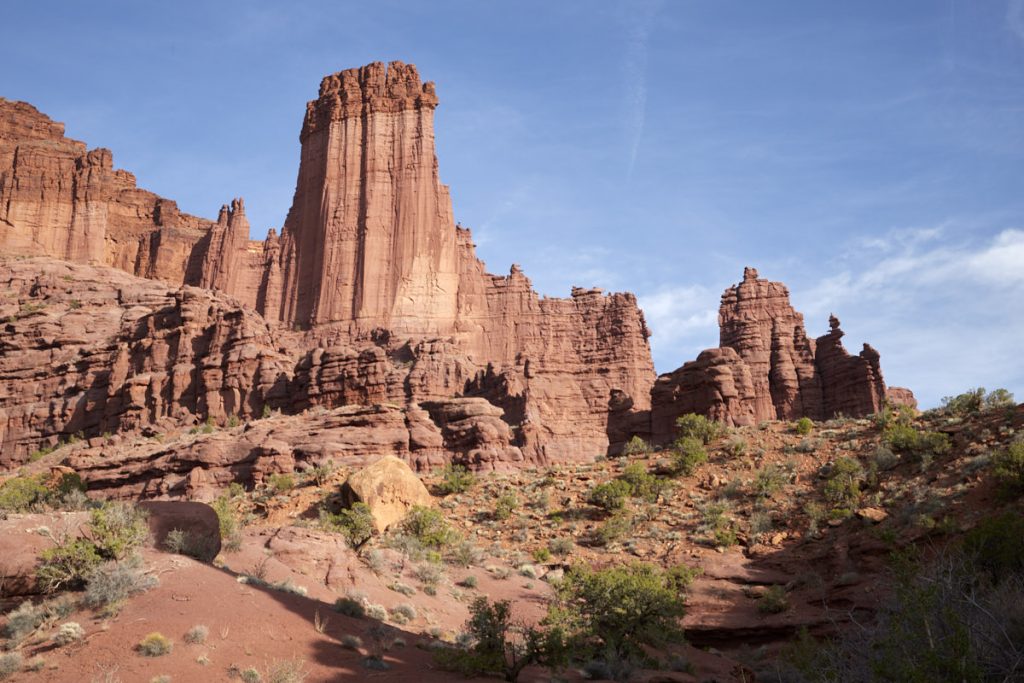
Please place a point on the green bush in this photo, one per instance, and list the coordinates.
(769, 481)
(228, 521)
(905, 440)
(615, 528)
(22, 494)
(976, 401)
(350, 607)
(455, 479)
(688, 455)
(68, 565)
(501, 646)
(842, 489)
(642, 484)
(610, 495)
(1008, 466)
(636, 446)
(995, 545)
(505, 505)
(803, 426)
(118, 529)
(698, 427)
(620, 610)
(282, 483)
(356, 524)
(428, 526)
(10, 664)
(774, 601)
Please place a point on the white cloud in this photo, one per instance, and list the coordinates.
(683, 322)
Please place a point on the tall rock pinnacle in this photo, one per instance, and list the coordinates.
(370, 239)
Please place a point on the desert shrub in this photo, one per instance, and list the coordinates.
(620, 610)
(469, 582)
(498, 645)
(403, 613)
(717, 524)
(1008, 466)
(977, 400)
(251, 675)
(642, 484)
(10, 664)
(994, 546)
(356, 524)
(542, 555)
(70, 632)
(428, 573)
(183, 542)
(455, 479)
(774, 601)
(736, 445)
(428, 526)
(197, 635)
(21, 494)
(378, 612)
(610, 495)
(464, 554)
(24, 620)
(769, 480)
(351, 642)
(803, 426)
(698, 427)
(350, 607)
(282, 482)
(687, 455)
(505, 505)
(613, 529)
(561, 546)
(228, 521)
(636, 446)
(940, 624)
(287, 671)
(67, 565)
(155, 644)
(113, 582)
(117, 530)
(842, 489)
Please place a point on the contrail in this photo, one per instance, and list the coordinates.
(636, 77)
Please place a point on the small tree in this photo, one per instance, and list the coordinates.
(689, 454)
(356, 524)
(620, 610)
(610, 495)
(428, 526)
(501, 646)
(636, 446)
(843, 486)
(699, 427)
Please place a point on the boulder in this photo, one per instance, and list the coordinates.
(389, 487)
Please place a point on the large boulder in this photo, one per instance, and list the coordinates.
(389, 487)
(198, 520)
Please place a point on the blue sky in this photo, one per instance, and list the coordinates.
(869, 154)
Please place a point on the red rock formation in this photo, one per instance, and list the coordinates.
(851, 385)
(91, 350)
(900, 396)
(767, 368)
(369, 248)
(757, 321)
(718, 384)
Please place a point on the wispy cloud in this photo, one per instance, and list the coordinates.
(683, 321)
(640, 22)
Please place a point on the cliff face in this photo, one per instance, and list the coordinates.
(768, 369)
(369, 267)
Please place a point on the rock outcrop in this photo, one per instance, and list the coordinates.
(89, 350)
(767, 368)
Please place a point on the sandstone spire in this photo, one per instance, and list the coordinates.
(370, 238)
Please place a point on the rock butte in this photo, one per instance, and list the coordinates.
(133, 316)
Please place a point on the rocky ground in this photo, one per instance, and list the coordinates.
(776, 555)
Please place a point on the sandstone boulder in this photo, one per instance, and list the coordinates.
(389, 487)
